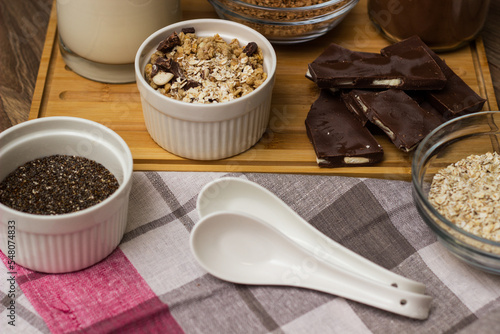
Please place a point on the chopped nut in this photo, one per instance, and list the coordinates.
(161, 78)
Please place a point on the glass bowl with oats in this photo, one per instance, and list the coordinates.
(288, 21)
(456, 187)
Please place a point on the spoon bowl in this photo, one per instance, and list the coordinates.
(232, 247)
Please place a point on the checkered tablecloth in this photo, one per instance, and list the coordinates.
(152, 283)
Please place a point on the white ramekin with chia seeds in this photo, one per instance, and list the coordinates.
(54, 242)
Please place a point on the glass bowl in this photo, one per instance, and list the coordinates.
(286, 25)
(473, 134)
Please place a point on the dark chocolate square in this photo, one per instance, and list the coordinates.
(398, 115)
(456, 98)
(339, 139)
(412, 69)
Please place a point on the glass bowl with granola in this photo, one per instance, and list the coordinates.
(206, 87)
(456, 187)
(288, 21)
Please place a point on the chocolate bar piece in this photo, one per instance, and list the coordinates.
(456, 98)
(339, 139)
(412, 69)
(355, 105)
(335, 53)
(421, 97)
(399, 116)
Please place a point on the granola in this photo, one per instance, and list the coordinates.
(289, 10)
(205, 69)
(467, 193)
(285, 3)
(288, 22)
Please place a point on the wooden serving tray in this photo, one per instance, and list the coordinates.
(285, 148)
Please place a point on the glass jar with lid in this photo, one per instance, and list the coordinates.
(443, 25)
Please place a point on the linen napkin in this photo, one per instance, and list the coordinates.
(152, 284)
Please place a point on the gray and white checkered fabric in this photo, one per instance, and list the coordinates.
(375, 218)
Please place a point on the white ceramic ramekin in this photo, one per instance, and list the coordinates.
(207, 131)
(73, 241)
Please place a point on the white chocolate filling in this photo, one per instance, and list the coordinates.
(356, 160)
(363, 106)
(384, 128)
(387, 82)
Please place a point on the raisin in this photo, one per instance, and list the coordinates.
(250, 49)
(188, 30)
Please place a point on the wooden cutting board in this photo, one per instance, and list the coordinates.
(285, 147)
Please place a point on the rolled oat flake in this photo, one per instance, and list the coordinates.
(467, 193)
(57, 184)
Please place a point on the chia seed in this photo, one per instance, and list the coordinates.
(57, 184)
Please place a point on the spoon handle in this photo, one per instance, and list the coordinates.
(330, 251)
(343, 283)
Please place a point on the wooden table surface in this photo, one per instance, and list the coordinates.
(23, 25)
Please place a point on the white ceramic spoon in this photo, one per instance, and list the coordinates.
(239, 195)
(242, 249)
